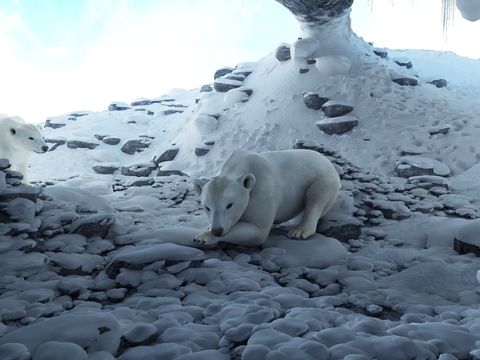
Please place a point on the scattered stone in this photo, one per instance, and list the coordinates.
(93, 225)
(163, 99)
(406, 81)
(439, 83)
(340, 226)
(171, 111)
(168, 155)
(132, 146)
(428, 181)
(338, 125)
(118, 106)
(303, 70)
(222, 72)
(467, 240)
(57, 143)
(138, 169)
(49, 124)
(313, 100)
(403, 62)
(409, 166)
(111, 140)
(335, 109)
(81, 143)
(282, 53)
(201, 150)
(440, 129)
(206, 88)
(383, 53)
(106, 168)
(141, 102)
(224, 85)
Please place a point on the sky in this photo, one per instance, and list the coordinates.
(59, 56)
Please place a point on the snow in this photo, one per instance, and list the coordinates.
(114, 254)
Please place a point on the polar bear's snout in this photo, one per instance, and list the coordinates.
(218, 231)
(44, 149)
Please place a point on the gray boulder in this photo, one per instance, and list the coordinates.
(222, 72)
(105, 169)
(111, 140)
(132, 146)
(335, 109)
(406, 81)
(139, 170)
(314, 101)
(224, 85)
(439, 83)
(337, 125)
(168, 155)
(81, 144)
(282, 53)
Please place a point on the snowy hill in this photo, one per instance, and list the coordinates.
(104, 239)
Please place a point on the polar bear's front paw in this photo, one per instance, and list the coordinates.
(299, 233)
(206, 238)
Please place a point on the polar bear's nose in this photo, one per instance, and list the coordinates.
(218, 231)
(44, 148)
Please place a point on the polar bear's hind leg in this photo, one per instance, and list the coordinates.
(320, 198)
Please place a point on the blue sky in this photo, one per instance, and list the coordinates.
(60, 55)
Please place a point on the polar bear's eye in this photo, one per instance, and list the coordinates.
(207, 208)
(31, 138)
(229, 205)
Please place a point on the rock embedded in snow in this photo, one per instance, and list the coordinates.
(303, 49)
(338, 125)
(81, 143)
(467, 238)
(336, 109)
(206, 88)
(440, 129)
(202, 150)
(132, 146)
(340, 226)
(140, 169)
(167, 155)
(141, 102)
(222, 72)
(111, 140)
(313, 100)
(205, 124)
(93, 225)
(408, 166)
(439, 83)
(331, 65)
(403, 62)
(118, 106)
(406, 81)
(224, 85)
(383, 53)
(57, 143)
(282, 53)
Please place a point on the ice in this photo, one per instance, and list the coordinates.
(303, 49)
(470, 9)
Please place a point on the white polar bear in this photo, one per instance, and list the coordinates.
(252, 191)
(17, 141)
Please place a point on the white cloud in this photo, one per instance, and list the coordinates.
(54, 52)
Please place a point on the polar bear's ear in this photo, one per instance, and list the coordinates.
(248, 181)
(12, 130)
(198, 186)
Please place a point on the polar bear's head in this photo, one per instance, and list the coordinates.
(224, 199)
(27, 137)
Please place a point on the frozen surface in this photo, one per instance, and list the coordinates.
(102, 266)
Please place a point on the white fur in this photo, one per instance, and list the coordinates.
(253, 191)
(18, 140)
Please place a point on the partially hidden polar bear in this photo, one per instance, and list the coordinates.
(253, 191)
(18, 140)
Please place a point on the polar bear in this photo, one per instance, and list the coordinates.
(17, 141)
(253, 191)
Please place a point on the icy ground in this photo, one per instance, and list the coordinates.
(97, 259)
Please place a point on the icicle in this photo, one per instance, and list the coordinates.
(448, 12)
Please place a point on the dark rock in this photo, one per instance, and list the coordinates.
(168, 155)
(282, 53)
(4, 164)
(409, 166)
(439, 83)
(93, 225)
(314, 101)
(311, 61)
(465, 248)
(111, 140)
(209, 142)
(303, 70)
(406, 81)
(162, 99)
(201, 151)
(172, 111)
(141, 102)
(118, 106)
(222, 72)
(206, 88)
(338, 125)
(237, 77)
(141, 182)
(21, 191)
(78, 114)
(100, 137)
(245, 72)
(49, 124)
(332, 109)
(80, 144)
(408, 65)
(441, 129)
(105, 169)
(170, 172)
(139, 170)
(132, 146)
(314, 13)
(223, 85)
(339, 226)
(381, 53)
(246, 90)
(56, 142)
